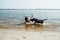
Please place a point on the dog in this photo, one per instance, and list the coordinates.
(28, 19)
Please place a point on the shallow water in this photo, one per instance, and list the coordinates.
(17, 16)
(31, 27)
(11, 19)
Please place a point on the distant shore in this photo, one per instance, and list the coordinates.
(29, 9)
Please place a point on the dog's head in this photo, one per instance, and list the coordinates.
(27, 19)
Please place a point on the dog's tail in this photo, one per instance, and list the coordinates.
(44, 19)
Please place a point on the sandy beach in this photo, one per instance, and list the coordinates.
(30, 32)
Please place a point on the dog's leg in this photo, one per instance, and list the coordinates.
(42, 22)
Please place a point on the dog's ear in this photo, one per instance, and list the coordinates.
(26, 18)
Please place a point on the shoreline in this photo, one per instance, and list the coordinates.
(37, 27)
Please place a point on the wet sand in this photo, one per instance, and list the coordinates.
(30, 32)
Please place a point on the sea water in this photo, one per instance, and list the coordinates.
(17, 16)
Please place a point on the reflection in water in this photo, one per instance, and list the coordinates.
(28, 26)
(35, 27)
(38, 27)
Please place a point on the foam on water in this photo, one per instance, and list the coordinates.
(46, 24)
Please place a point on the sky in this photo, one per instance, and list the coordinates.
(29, 4)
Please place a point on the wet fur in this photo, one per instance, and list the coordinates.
(35, 20)
(38, 21)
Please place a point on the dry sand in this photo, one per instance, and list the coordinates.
(30, 32)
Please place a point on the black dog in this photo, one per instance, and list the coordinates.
(38, 21)
(35, 20)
